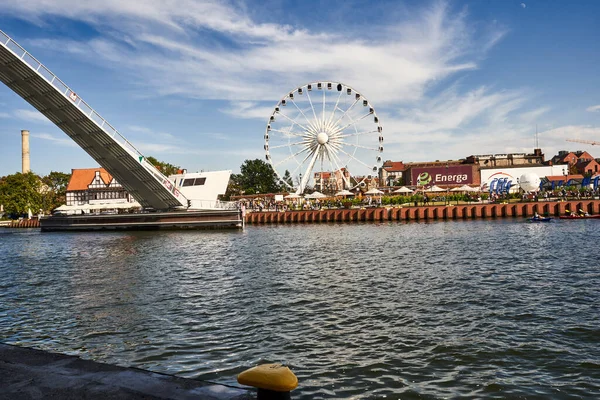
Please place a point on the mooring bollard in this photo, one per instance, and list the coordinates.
(273, 381)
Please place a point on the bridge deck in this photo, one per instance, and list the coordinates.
(31, 80)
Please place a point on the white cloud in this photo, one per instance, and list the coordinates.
(156, 148)
(247, 109)
(534, 115)
(451, 111)
(172, 49)
(135, 128)
(4, 115)
(58, 140)
(149, 132)
(217, 50)
(593, 108)
(31, 116)
(523, 5)
(557, 137)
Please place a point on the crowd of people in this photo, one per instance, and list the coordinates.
(268, 203)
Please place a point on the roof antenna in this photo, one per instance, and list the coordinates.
(537, 142)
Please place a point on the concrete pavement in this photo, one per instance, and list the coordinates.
(34, 374)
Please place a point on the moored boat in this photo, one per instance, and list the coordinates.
(580, 216)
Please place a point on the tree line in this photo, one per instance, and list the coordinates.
(20, 193)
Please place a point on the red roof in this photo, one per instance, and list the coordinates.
(81, 178)
(324, 175)
(557, 178)
(394, 166)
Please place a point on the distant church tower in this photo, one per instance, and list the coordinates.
(25, 152)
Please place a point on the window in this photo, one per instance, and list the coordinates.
(194, 182)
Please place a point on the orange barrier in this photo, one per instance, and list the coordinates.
(425, 213)
(25, 223)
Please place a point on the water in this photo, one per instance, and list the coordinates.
(479, 309)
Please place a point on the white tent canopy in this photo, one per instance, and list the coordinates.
(435, 188)
(374, 191)
(292, 196)
(464, 188)
(109, 206)
(344, 193)
(403, 189)
(315, 195)
(99, 206)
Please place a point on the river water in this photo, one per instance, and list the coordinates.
(477, 309)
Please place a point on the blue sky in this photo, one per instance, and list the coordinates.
(193, 83)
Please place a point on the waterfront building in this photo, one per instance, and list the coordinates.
(512, 174)
(95, 189)
(507, 160)
(571, 157)
(391, 173)
(587, 167)
(367, 182)
(330, 182)
(482, 169)
(449, 173)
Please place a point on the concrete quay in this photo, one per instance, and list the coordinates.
(425, 213)
(34, 374)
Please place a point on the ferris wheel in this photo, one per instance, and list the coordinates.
(324, 135)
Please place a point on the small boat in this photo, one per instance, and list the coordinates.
(539, 219)
(580, 216)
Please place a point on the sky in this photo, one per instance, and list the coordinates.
(193, 83)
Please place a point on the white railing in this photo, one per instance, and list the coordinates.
(213, 204)
(84, 107)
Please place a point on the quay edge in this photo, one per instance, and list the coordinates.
(425, 213)
(27, 373)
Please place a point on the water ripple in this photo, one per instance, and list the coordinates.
(481, 309)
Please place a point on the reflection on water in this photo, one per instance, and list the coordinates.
(485, 309)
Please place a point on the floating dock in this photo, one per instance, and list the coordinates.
(201, 219)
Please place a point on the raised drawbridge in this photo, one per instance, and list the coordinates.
(31, 80)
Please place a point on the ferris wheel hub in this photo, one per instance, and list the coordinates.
(322, 138)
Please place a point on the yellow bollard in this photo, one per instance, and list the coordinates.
(273, 381)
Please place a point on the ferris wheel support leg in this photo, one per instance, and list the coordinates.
(306, 175)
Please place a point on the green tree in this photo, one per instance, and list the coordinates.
(287, 178)
(54, 188)
(21, 192)
(234, 187)
(164, 167)
(258, 177)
